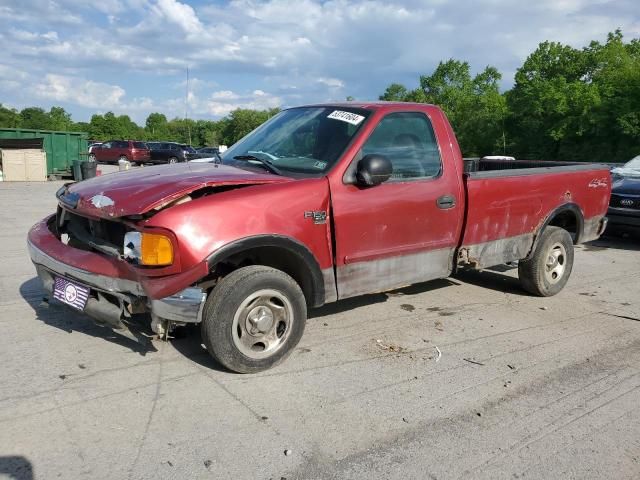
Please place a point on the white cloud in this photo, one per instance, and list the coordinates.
(331, 82)
(245, 53)
(224, 102)
(79, 91)
(224, 95)
(177, 13)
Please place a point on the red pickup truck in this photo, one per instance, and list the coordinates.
(320, 203)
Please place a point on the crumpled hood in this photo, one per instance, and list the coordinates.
(138, 191)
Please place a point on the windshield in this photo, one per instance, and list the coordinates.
(629, 169)
(633, 164)
(305, 141)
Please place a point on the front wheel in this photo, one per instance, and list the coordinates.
(172, 160)
(253, 319)
(549, 268)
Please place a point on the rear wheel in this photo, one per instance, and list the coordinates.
(253, 319)
(549, 268)
(122, 157)
(173, 160)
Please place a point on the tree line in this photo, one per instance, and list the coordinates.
(566, 104)
(109, 126)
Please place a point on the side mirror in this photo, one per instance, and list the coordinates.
(373, 170)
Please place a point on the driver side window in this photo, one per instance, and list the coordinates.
(408, 140)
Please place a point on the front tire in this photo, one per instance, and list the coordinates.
(172, 160)
(253, 319)
(549, 268)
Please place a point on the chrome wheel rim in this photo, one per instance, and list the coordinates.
(262, 324)
(172, 160)
(556, 263)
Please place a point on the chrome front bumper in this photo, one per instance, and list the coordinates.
(183, 307)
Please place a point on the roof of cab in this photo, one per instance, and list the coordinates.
(373, 105)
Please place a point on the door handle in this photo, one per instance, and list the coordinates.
(446, 202)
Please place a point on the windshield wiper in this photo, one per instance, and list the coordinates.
(266, 163)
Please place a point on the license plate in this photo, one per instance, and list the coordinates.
(70, 293)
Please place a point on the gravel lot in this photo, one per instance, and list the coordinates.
(524, 387)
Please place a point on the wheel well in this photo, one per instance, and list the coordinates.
(568, 217)
(277, 257)
(568, 220)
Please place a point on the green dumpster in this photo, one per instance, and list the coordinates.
(62, 148)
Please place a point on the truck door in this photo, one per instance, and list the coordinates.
(405, 230)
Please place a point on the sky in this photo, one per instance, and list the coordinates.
(131, 56)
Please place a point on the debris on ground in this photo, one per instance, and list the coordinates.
(407, 307)
(288, 452)
(472, 361)
(62, 377)
(391, 347)
(405, 420)
(439, 354)
(511, 367)
(82, 366)
(543, 308)
(438, 325)
(207, 463)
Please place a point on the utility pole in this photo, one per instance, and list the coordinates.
(186, 107)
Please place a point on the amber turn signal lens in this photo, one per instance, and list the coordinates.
(156, 250)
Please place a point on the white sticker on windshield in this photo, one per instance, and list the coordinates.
(320, 165)
(352, 118)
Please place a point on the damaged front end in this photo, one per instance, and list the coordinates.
(90, 253)
(101, 245)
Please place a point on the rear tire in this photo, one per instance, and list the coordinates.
(253, 319)
(549, 268)
(172, 160)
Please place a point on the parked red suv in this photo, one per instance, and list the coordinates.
(115, 150)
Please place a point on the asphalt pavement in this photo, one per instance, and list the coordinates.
(462, 378)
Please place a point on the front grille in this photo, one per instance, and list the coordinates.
(625, 201)
(103, 236)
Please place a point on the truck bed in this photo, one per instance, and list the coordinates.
(508, 201)
(482, 167)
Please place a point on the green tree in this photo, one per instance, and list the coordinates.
(395, 93)
(59, 119)
(552, 104)
(242, 121)
(156, 126)
(35, 118)
(614, 67)
(9, 117)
